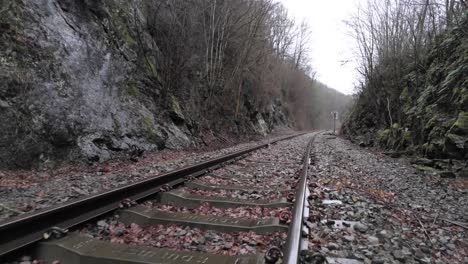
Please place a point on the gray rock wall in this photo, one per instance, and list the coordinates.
(71, 78)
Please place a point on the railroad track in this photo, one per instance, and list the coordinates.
(208, 200)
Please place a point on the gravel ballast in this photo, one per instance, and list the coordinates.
(397, 214)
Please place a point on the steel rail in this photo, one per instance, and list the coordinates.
(292, 247)
(30, 228)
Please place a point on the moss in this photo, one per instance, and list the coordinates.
(117, 127)
(152, 68)
(120, 23)
(431, 123)
(133, 90)
(176, 112)
(175, 107)
(384, 136)
(425, 168)
(404, 96)
(426, 148)
(395, 126)
(149, 127)
(407, 139)
(464, 99)
(461, 125)
(127, 36)
(437, 133)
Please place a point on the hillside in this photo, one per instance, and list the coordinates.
(92, 80)
(425, 111)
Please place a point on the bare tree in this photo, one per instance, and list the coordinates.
(301, 49)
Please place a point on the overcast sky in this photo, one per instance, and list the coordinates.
(330, 42)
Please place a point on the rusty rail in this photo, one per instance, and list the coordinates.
(30, 228)
(297, 230)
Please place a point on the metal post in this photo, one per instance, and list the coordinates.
(335, 117)
(334, 124)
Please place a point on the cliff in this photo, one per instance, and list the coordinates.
(80, 80)
(434, 106)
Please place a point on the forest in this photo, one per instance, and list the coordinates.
(90, 80)
(241, 52)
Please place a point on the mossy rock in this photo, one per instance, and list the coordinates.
(133, 90)
(464, 99)
(407, 139)
(175, 112)
(384, 136)
(460, 127)
(153, 134)
(120, 19)
(404, 96)
(432, 150)
(453, 77)
(430, 124)
(456, 145)
(437, 133)
(425, 169)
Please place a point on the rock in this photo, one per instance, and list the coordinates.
(368, 253)
(463, 173)
(451, 246)
(425, 249)
(379, 260)
(349, 238)
(120, 232)
(398, 255)
(260, 125)
(394, 154)
(26, 260)
(373, 240)
(200, 240)
(447, 174)
(456, 145)
(423, 161)
(419, 254)
(324, 251)
(176, 112)
(460, 127)
(4, 104)
(425, 168)
(383, 233)
(425, 260)
(102, 224)
(228, 245)
(360, 227)
(332, 246)
(181, 233)
(444, 239)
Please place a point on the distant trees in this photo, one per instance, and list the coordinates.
(219, 54)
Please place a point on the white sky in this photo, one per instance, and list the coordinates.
(330, 43)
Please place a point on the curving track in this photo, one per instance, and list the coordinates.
(245, 207)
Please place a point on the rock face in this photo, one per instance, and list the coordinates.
(72, 75)
(434, 103)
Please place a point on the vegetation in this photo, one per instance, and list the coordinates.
(229, 57)
(413, 57)
(90, 80)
